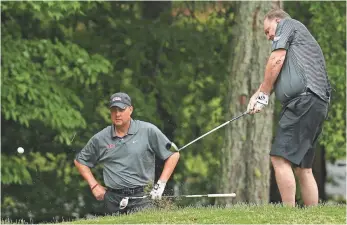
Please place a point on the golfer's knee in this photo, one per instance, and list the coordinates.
(302, 172)
(279, 162)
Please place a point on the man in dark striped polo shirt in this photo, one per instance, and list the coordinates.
(296, 72)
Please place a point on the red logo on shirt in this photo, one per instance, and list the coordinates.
(110, 146)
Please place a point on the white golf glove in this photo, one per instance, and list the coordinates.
(261, 101)
(252, 102)
(158, 190)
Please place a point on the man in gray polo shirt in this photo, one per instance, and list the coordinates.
(127, 150)
(296, 71)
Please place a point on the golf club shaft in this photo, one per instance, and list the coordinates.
(191, 196)
(222, 125)
(208, 195)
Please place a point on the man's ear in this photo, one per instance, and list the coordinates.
(278, 20)
(131, 109)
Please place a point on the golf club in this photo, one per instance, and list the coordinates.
(222, 125)
(124, 202)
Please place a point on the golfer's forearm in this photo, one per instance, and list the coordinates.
(86, 173)
(269, 78)
(169, 166)
(272, 69)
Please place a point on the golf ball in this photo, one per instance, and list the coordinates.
(20, 150)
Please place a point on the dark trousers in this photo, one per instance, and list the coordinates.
(113, 198)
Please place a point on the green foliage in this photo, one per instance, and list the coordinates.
(14, 170)
(330, 31)
(36, 75)
(62, 60)
(34, 19)
(51, 175)
(327, 23)
(46, 11)
(44, 78)
(18, 169)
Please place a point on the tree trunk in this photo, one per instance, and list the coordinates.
(245, 159)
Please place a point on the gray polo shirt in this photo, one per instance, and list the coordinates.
(129, 161)
(304, 65)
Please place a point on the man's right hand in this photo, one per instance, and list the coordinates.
(99, 192)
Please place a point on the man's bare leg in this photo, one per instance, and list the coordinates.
(308, 186)
(285, 179)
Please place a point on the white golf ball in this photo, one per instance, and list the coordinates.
(20, 150)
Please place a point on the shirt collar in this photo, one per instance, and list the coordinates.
(280, 24)
(132, 129)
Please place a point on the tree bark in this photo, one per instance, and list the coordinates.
(245, 159)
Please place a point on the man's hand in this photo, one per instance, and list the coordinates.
(158, 190)
(261, 102)
(252, 103)
(99, 192)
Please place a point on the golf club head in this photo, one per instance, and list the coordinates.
(124, 203)
(172, 147)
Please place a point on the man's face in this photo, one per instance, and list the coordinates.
(120, 116)
(270, 28)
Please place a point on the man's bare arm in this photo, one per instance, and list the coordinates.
(86, 173)
(169, 166)
(97, 190)
(272, 69)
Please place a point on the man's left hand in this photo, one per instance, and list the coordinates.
(158, 190)
(262, 101)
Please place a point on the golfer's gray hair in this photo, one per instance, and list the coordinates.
(276, 13)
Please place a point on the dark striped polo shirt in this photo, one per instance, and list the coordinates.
(304, 66)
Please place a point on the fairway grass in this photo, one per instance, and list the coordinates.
(237, 214)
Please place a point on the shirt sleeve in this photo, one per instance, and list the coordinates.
(159, 143)
(284, 35)
(88, 156)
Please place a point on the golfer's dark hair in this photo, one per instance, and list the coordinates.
(276, 13)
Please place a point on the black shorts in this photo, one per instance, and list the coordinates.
(300, 124)
(112, 202)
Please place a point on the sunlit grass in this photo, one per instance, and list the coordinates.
(237, 214)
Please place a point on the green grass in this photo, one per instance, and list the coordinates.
(237, 214)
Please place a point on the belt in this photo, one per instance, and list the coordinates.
(308, 92)
(127, 190)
